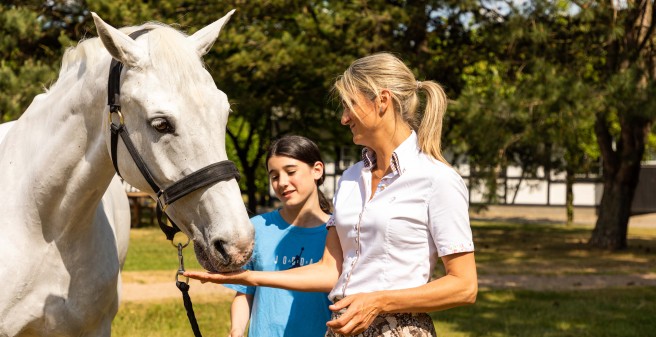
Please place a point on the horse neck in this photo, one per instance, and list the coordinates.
(66, 167)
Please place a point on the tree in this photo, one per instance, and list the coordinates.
(526, 77)
(35, 35)
(609, 48)
(526, 105)
(623, 127)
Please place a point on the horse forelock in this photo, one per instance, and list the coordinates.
(173, 56)
(170, 54)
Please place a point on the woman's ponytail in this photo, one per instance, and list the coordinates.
(430, 128)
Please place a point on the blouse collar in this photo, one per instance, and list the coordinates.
(401, 156)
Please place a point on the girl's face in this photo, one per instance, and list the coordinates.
(293, 181)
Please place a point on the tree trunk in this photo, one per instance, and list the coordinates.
(613, 221)
(621, 171)
(251, 191)
(249, 167)
(569, 195)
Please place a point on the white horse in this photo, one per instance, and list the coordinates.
(61, 259)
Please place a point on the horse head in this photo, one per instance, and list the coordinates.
(176, 117)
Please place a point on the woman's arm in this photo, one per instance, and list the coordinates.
(240, 313)
(319, 277)
(458, 287)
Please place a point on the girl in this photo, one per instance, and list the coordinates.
(287, 238)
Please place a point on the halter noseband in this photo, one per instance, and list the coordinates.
(209, 175)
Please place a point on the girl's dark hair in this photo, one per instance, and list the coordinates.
(301, 149)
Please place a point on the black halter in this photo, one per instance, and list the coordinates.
(209, 175)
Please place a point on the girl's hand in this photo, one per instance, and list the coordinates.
(360, 312)
(235, 333)
(234, 277)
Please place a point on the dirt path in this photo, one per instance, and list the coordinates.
(155, 286)
(142, 287)
(143, 292)
(564, 282)
(549, 214)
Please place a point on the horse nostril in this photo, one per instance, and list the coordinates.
(219, 246)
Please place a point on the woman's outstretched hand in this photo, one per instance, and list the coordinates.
(233, 277)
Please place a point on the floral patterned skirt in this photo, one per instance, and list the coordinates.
(395, 325)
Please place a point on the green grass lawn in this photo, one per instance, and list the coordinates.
(627, 312)
(502, 248)
(541, 249)
(595, 313)
(150, 250)
(169, 319)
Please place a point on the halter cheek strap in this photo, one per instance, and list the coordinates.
(114, 102)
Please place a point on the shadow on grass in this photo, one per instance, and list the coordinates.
(600, 313)
(547, 249)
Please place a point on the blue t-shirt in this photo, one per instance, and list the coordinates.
(280, 312)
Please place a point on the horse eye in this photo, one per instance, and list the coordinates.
(162, 125)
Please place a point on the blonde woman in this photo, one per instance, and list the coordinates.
(396, 212)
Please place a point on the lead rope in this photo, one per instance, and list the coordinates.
(184, 289)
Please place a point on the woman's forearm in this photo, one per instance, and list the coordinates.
(458, 287)
(320, 277)
(317, 277)
(314, 277)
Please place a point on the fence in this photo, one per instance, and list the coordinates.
(513, 189)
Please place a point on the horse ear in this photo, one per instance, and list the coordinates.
(204, 38)
(119, 44)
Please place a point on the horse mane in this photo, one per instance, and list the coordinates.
(164, 44)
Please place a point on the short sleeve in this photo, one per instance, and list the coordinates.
(448, 215)
(248, 290)
(331, 221)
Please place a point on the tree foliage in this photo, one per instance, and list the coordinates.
(527, 104)
(581, 77)
(538, 84)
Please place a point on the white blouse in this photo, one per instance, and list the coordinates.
(418, 213)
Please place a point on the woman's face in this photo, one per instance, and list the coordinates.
(292, 180)
(362, 118)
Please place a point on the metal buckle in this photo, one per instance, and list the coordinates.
(162, 205)
(118, 112)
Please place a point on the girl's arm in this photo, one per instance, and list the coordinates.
(319, 277)
(458, 287)
(240, 313)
